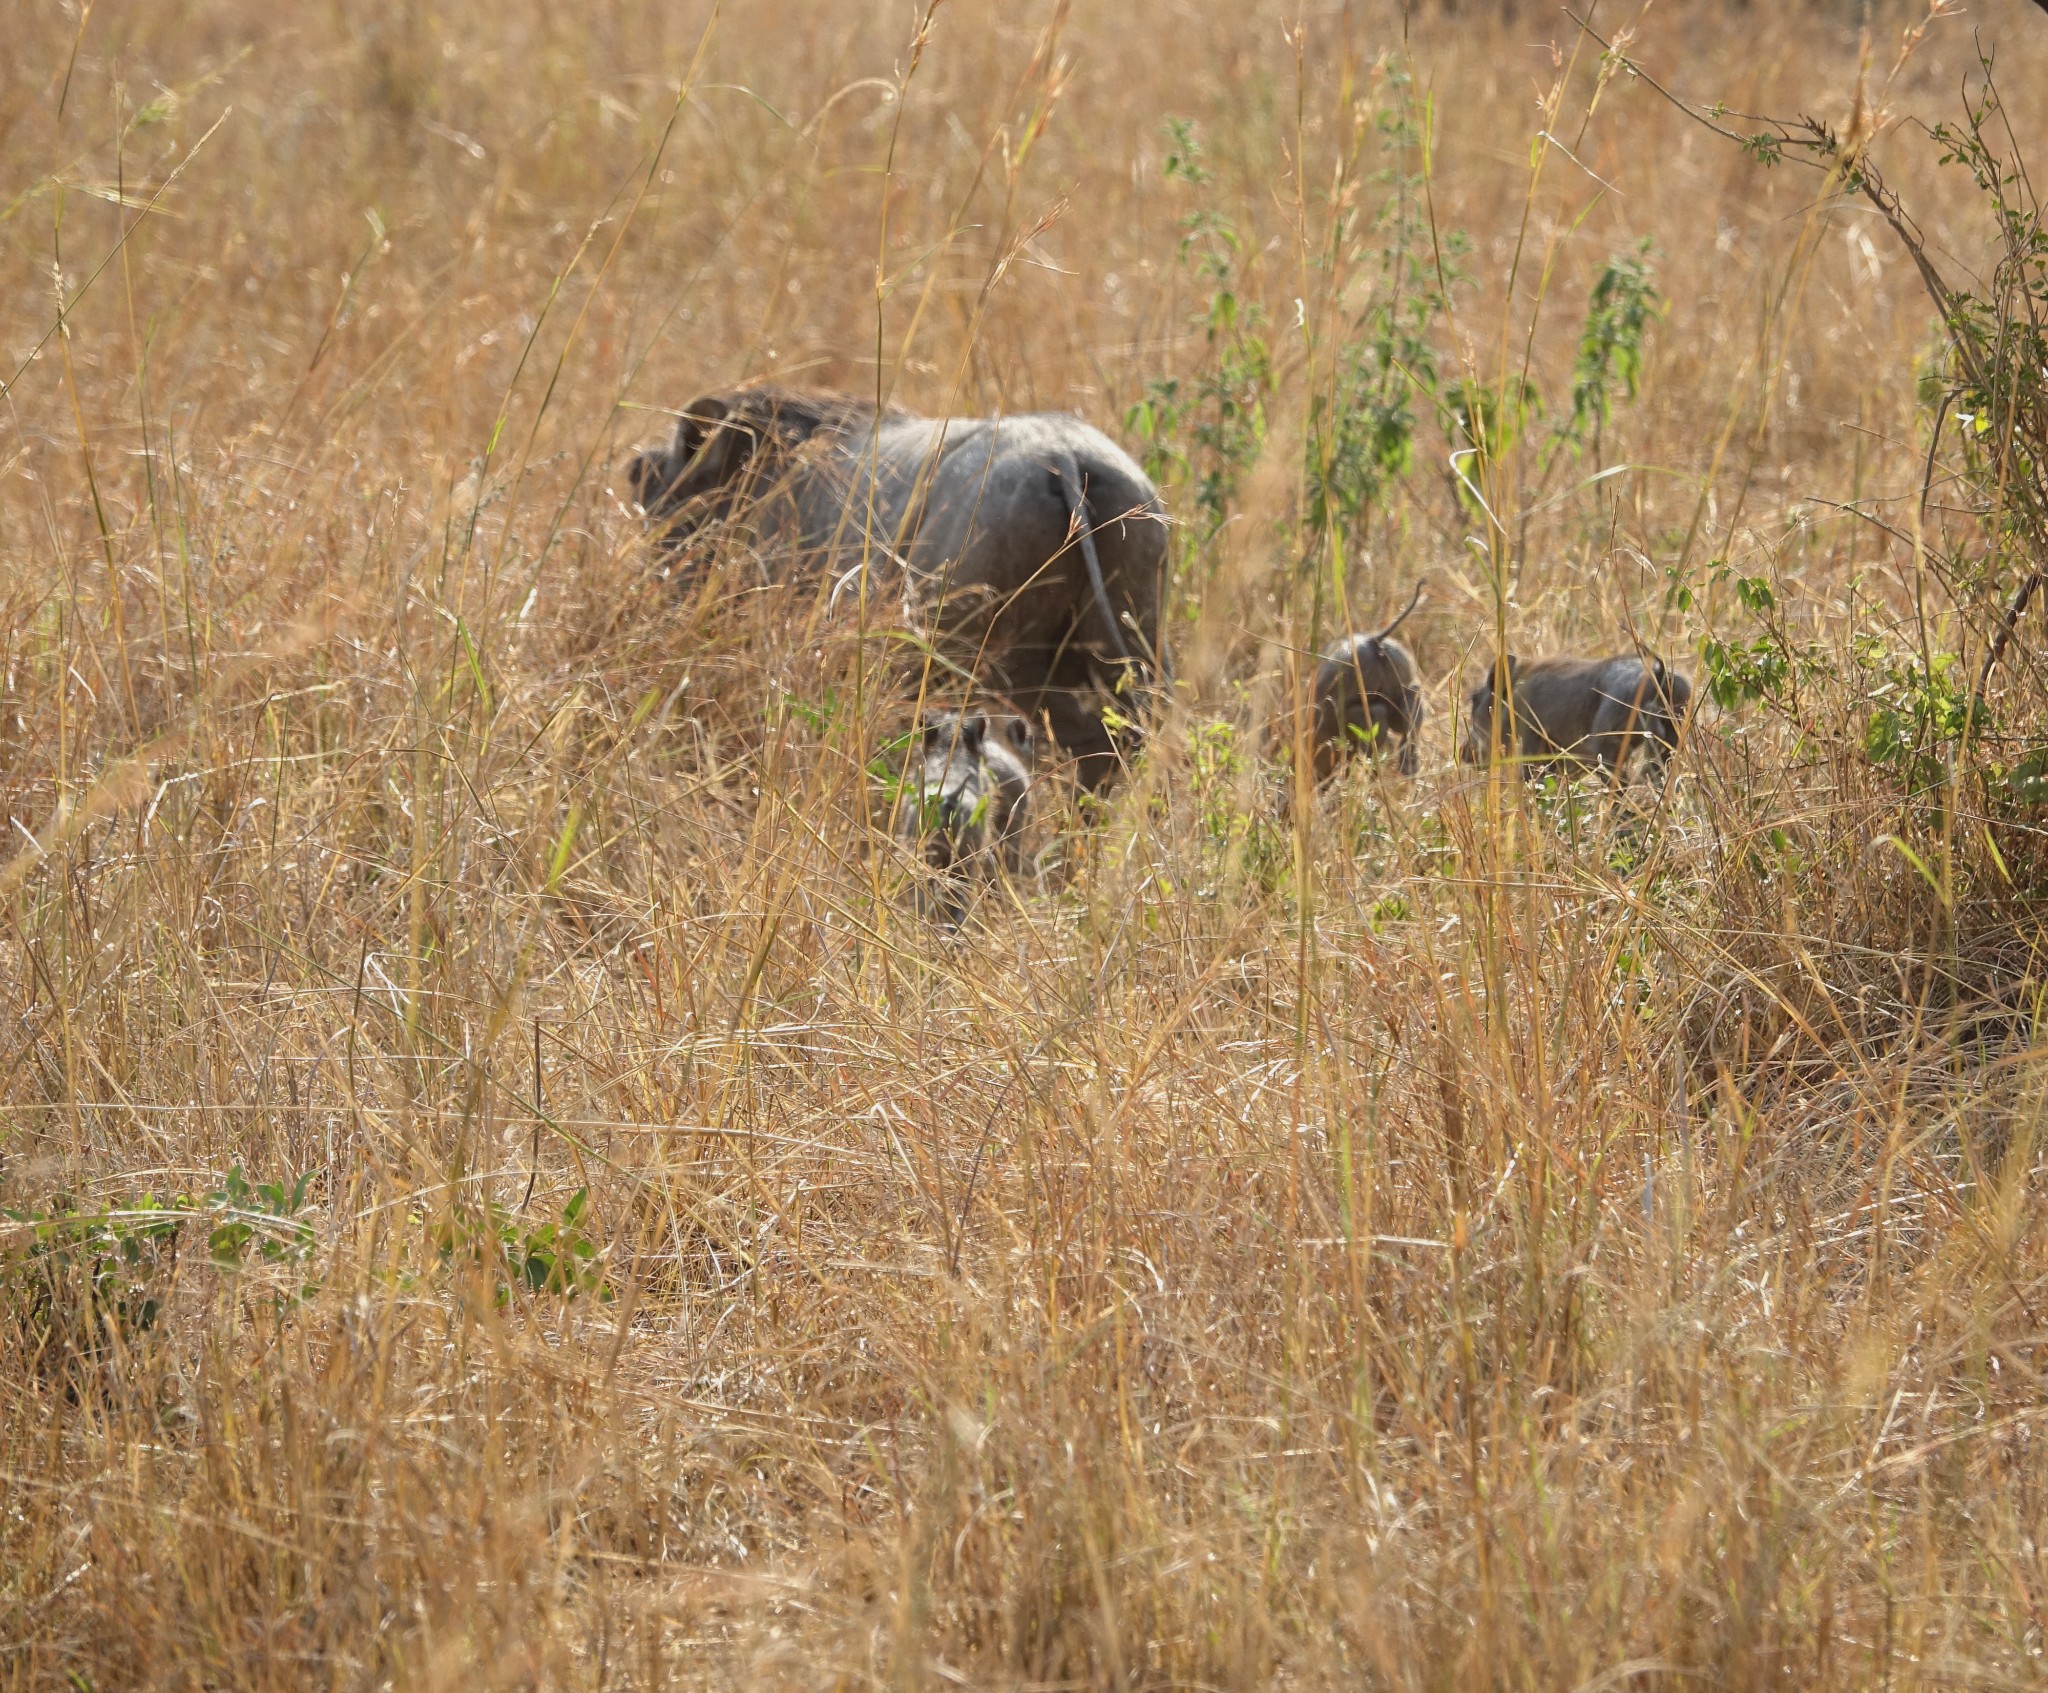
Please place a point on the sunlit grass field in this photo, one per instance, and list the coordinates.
(502, 1188)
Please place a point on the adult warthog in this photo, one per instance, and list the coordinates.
(1032, 548)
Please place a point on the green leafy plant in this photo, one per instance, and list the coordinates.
(1202, 432)
(818, 716)
(558, 1257)
(1765, 148)
(1361, 435)
(1485, 422)
(1217, 764)
(1388, 371)
(1762, 667)
(1241, 836)
(85, 1280)
(2027, 781)
(1740, 671)
(86, 1277)
(1623, 304)
(1921, 716)
(1992, 378)
(1388, 910)
(263, 1215)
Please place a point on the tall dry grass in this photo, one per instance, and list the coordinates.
(1413, 1238)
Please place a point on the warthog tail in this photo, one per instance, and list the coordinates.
(1069, 477)
(1414, 600)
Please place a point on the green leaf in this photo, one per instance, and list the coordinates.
(559, 861)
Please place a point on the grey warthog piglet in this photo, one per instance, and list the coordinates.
(1032, 548)
(1582, 710)
(1367, 699)
(966, 800)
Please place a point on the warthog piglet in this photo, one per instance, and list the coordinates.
(967, 797)
(1584, 710)
(1367, 699)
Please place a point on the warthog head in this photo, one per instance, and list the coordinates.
(967, 797)
(727, 448)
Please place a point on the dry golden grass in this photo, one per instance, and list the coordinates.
(1401, 1240)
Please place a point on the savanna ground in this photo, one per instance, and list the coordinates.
(503, 1191)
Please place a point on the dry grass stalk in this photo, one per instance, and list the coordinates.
(1425, 1236)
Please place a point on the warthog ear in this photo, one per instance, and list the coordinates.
(695, 426)
(1019, 733)
(647, 473)
(707, 453)
(972, 731)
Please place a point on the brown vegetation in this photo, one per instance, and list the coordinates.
(1430, 1235)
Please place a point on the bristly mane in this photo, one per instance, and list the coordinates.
(788, 417)
(735, 446)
